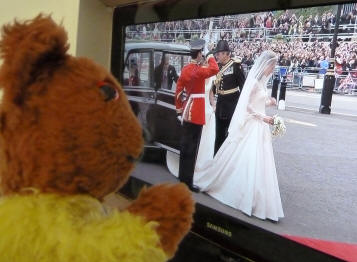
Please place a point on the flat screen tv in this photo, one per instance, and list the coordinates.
(316, 159)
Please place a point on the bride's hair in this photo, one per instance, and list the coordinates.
(266, 59)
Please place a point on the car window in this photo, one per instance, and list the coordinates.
(136, 72)
(168, 71)
(157, 58)
(186, 60)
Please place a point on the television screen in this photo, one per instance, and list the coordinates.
(241, 117)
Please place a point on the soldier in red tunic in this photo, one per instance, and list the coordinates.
(192, 109)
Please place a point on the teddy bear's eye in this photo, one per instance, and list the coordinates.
(108, 91)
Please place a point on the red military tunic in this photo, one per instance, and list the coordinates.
(192, 80)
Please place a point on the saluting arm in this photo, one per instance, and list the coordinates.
(211, 70)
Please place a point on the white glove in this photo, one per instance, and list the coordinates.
(209, 56)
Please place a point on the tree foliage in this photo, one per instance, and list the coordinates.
(306, 12)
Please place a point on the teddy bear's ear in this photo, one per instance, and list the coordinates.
(27, 48)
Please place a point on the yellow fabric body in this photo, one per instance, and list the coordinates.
(49, 227)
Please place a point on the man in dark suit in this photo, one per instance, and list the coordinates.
(165, 74)
(227, 87)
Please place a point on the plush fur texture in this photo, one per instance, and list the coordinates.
(164, 203)
(61, 135)
(79, 224)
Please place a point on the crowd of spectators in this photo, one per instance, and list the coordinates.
(299, 54)
(257, 25)
(167, 31)
(291, 24)
(250, 34)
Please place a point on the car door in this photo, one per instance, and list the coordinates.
(168, 127)
(138, 83)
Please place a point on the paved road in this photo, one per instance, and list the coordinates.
(317, 171)
(341, 104)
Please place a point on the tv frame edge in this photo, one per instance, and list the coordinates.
(230, 233)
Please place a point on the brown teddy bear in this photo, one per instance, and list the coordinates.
(68, 138)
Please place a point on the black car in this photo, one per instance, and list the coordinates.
(151, 90)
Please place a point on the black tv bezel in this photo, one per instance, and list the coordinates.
(247, 239)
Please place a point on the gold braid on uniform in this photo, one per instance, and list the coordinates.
(219, 75)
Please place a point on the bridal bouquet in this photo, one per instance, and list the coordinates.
(279, 127)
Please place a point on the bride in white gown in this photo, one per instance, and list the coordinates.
(243, 174)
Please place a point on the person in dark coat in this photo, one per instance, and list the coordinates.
(165, 74)
(227, 87)
(133, 79)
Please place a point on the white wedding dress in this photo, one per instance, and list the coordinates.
(243, 174)
(206, 147)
